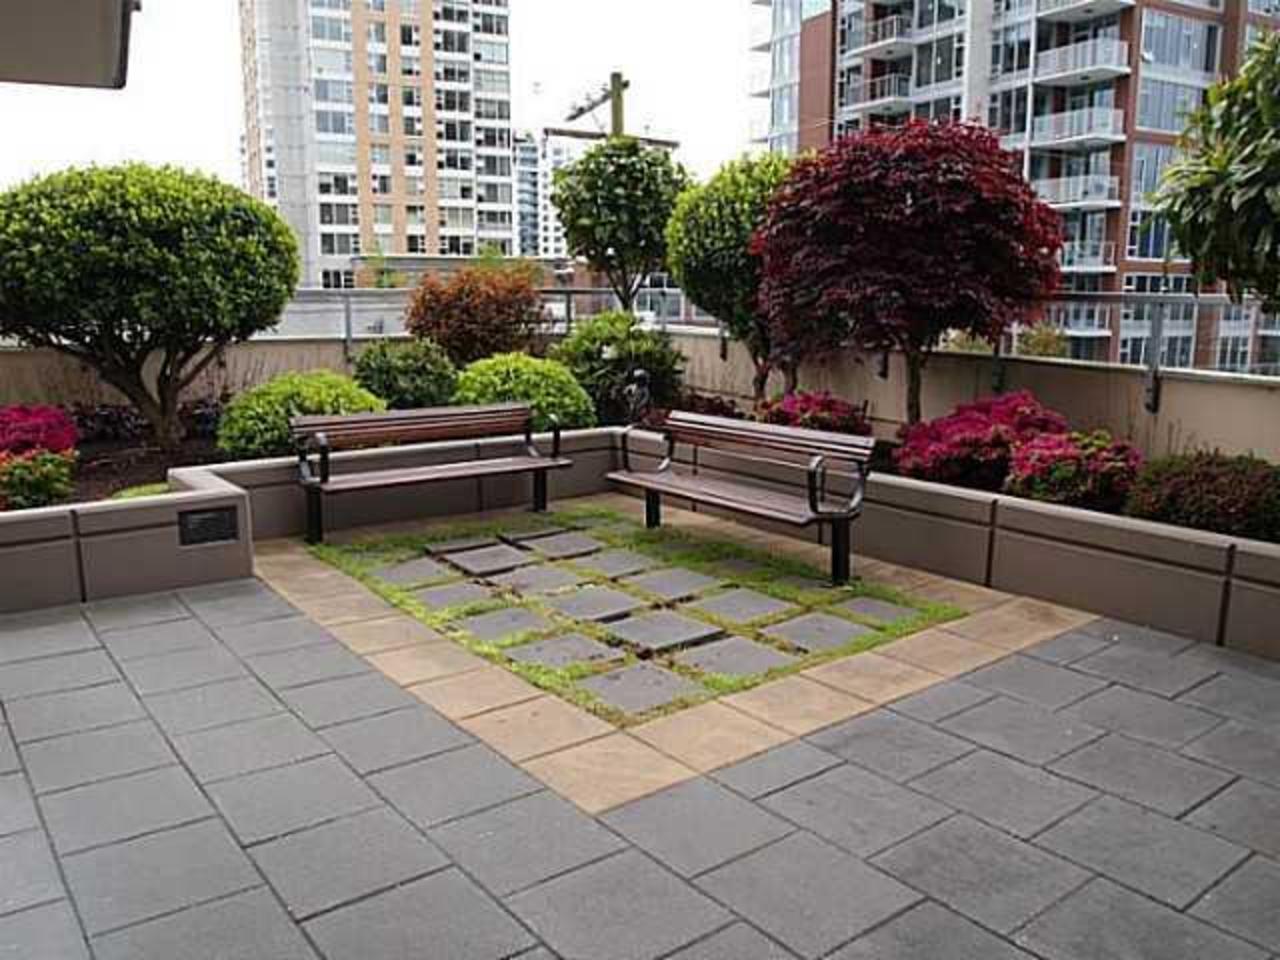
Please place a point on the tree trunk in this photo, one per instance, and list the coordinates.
(915, 367)
(162, 415)
(760, 382)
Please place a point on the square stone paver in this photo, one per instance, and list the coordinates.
(69, 671)
(617, 563)
(28, 875)
(240, 748)
(1008, 623)
(425, 662)
(432, 791)
(879, 610)
(796, 704)
(452, 595)
(1143, 716)
(178, 671)
(390, 739)
(1105, 920)
(489, 560)
(595, 603)
(8, 752)
(460, 544)
(809, 895)
(1253, 700)
(535, 727)
(237, 601)
(348, 698)
(498, 625)
(1135, 636)
(741, 605)
(1146, 851)
(738, 942)
(604, 773)
(231, 701)
(776, 769)
(1250, 751)
(154, 639)
(526, 841)
(1067, 648)
(122, 613)
(940, 701)
(1247, 903)
(17, 807)
(294, 668)
(525, 536)
(561, 546)
(894, 746)
(1032, 734)
(543, 578)
(818, 631)
(662, 630)
(930, 932)
(942, 652)
(564, 651)
(672, 583)
(475, 692)
(44, 633)
(709, 736)
(445, 913)
(95, 755)
(1037, 682)
(1245, 813)
(622, 908)
(49, 932)
(873, 678)
(639, 688)
(735, 657)
(409, 573)
(274, 636)
(1138, 667)
(74, 711)
(389, 633)
(335, 863)
(983, 873)
(856, 810)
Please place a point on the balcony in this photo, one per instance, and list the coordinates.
(1082, 319)
(1075, 11)
(1092, 191)
(1088, 129)
(761, 83)
(1087, 62)
(890, 94)
(885, 39)
(1088, 256)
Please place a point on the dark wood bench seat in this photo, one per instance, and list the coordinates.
(316, 437)
(814, 451)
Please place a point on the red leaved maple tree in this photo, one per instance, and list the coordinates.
(892, 236)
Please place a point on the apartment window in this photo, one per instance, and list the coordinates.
(335, 121)
(335, 29)
(1159, 283)
(338, 279)
(456, 189)
(416, 243)
(410, 35)
(495, 219)
(493, 138)
(338, 184)
(453, 13)
(491, 81)
(1149, 162)
(415, 186)
(415, 154)
(1149, 236)
(1233, 352)
(1180, 42)
(453, 101)
(1179, 323)
(493, 109)
(1011, 49)
(451, 158)
(412, 126)
(331, 5)
(489, 51)
(378, 32)
(457, 218)
(340, 214)
(495, 193)
(410, 8)
(455, 131)
(410, 66)
(333, 91)
(457, 246)
(379, 94)
(940, 61)
(379, 123)
(271, 188)
(377, 6)
(929, 12)
(453, 41)
(493, 24)
(326, 60)
(1007, 110)
(495, 167)
(378, 63)
(380, 183)
(337, 152)
(411, 96)
(939, 111)
(451, 71)
(380, 154)
(415, 215)
(1164, 105)
(382, 214)
(339, 244)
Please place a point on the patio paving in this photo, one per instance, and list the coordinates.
(278, 788)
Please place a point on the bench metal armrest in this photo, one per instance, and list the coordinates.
(818, 489)
(532, 449)
(316, 444)
(626, 451)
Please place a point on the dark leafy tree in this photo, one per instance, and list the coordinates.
(892, 236)
(145, 274)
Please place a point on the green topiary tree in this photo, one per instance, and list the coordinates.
(1222, 199)
(546, 385)
(614, 204)
(407, 375)
(606, 350)
(709, 251)
(144, 274)
(256, 423)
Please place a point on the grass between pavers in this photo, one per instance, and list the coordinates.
(784, 578)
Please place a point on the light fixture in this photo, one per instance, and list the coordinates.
(78, 43)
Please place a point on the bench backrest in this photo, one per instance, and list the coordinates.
(744, 437)
(414, 426)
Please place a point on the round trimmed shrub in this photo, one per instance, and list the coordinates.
(1237, 496)
(604, 352)
(546, 385)
(407, 375)
(37, 478)
(1089, 470)
(256, 423)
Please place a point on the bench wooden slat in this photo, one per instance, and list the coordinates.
(466, 470)
(742, 497)
(412, 426)
(722, 433)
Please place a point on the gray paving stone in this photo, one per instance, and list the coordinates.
(295, 668)
(622, 908)
(156, 639)
(453, 595)
(738, 942)
(1146, 851)
(179, 671)
(984, 874)
(617, 563)
(735, 657)
(74, 711)
(856, 810)
(672, 583)
(271, 803)
(138, 880)
(543, 578)
(123, 613)
(1143, 773)
(940, 701)
(17, 807)
(8, 752)
(240, 748)
(1003, 792)
(489, 560)
(121, 809)
(807, 894)
(640, 687)
(561, 546)
(1232, 661)
(595, 603)
(70, 671)
(1142, 716)
(335, 863)
(1246, 813)
(1030, 733)
(498, 625)
(1155, 672)
(661, 630)
(274, 636)
(1136, 636)
(776, 769)
(1103, 921)
(391, 739)
(1250, 751)
(44, 633)
(247, 926)
(43, 933)
(78, 758)
(201, 708)
(741, 605)
(1043, 684)
(880, 610)
(930, 932)
(1247, 903)
(894, 746)
(28, 875)
(1067, 648)
(1252, 700)
(235, 602)
(525, 536)
(460, 544)
(441, 788)
(413, 572)
(524, 842)
(818, 631)
(564, 651)
(347, 698)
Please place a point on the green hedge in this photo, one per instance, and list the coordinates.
(256, 423)
(546, 385)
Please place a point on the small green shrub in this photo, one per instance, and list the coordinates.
(141, 490)
(36, 478)
(546, 385)
(407, 375)
(1238, 496)
(606, 350)
(1090, 470)
(256, 423)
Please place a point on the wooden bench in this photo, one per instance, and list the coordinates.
(760, 443)
(316, 437)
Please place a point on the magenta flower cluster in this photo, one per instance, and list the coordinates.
(1090, 470)
(24, 429)
(815, 411)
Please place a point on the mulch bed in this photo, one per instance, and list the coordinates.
(106, 468)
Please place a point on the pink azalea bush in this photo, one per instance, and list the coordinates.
(24, 429)
(973, 446)
(815, 411)
(1090, 470)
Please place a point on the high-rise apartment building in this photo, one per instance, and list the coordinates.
(1092, 94)
(380, 126)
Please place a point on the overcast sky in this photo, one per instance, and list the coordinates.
(687, 60)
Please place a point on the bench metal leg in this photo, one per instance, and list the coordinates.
(841, 547)
(540, 491)
(315, 516)
(652, 509)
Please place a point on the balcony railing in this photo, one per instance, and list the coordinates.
(1083, 57)
(1090, 122)
(1090, 188)
(888, 87)
(1083, 317)
(1087, 254)
(881, 31)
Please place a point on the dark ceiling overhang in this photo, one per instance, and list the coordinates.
(77, 43)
